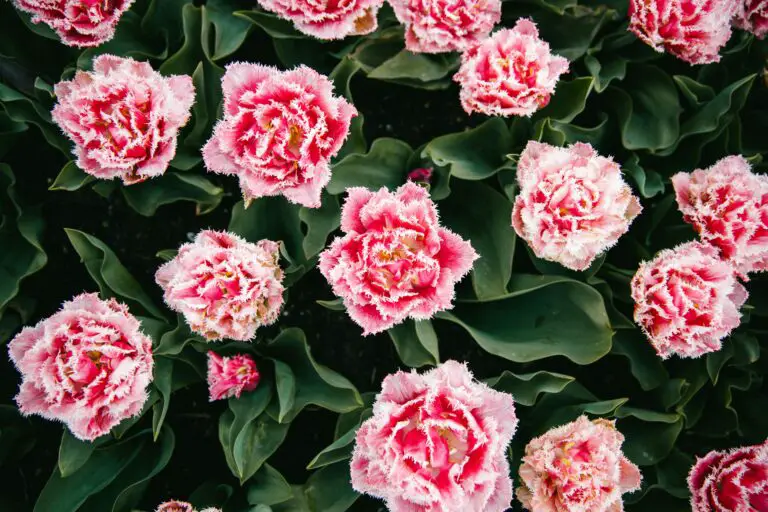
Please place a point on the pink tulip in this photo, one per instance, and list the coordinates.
(327, 19)
(230, 376)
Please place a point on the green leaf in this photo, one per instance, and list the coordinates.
(24, 109)
(415, 68)
(130, 40)
(315, 383)
(557, 409)
(649, 183)
(605, 69)
(569, 100)
(526, 388)
(341, 76)
(543, 316)
(173, 342)
(649, 435)
(271, 218)
(272, 24)
(340, 449)
(110, 275)
(258, 440)
(21, 232)
(474, 154)
(644, 364)
(73, 453)
(226, 32)
(385, 165)
(268, 487)
(648, 109)
(148, 196)
(320, 222)
(327, 490)
(71, 178)
(163, 382)
(285, 382)
(416, 343)
(484, 220)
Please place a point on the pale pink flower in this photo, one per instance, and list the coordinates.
(279, 131)
(87, 365)
(80, 23)
(395, 261)
(733, 481)
(328, 19)
(687, 300)
(692, 30)
(123, 117)
(752, 15)
(511, 73)
(728, 206)
(230, 376)
(573, 203)
(224, 286)
(436, 443)
(435, 26)
(577, 467)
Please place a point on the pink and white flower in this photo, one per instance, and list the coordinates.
(87, 365)
(511, 73)
(687, 300)
(182, 506)
(230, 376)
(435, 26)
(692, 30)
(436, 443)
(752, 16)
(727, 204)
(81, 23)
(421, 175)
(327, 19)
(577, 467)
(224, 286)
(395, 261)
(573, 203)
(279, 131)
(733, 481)
(124, 117)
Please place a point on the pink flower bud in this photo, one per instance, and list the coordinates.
(230, 376)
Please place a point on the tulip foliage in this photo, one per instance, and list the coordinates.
(434, 255)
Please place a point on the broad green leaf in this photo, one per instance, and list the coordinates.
(173, 342)
(648, 182)
(24, 109)
(258, 440)
(110, 275)
(526, 388)
(21, 232)
(148, 196)
(71, 178)
(68, 494)
(276, 27)
(569, 34)
(474, 154)
(341, 76)
(569, 100)
(163, 382)
(385, 165)
(320, 222)
(131, 40)
(649, 435)
(73, 453)
(327, 490)
(559, 133)
(483, 216)
(416, 343)
(419, 67)
(543, 316)
(285, 383)
(605, 69)
(644, 364)
(273, 218)
(225, 31)
(574, 400)
(268, 487)
(648, 108)
(315, 383)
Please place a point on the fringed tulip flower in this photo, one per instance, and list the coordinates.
(752, 16)
(326, 19)
(395, 261)
(511, 73)
(87, 366)
(692, 30)
(230, 376)
(421, 175)
(81, 23)
(573, 203)
(687, 300)
(578, 467)
(733, 481)
(279, 131)
(727, 204)
(435, 26)
(436, 443)
(182, 506)
(123, 117)
(224, 286)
